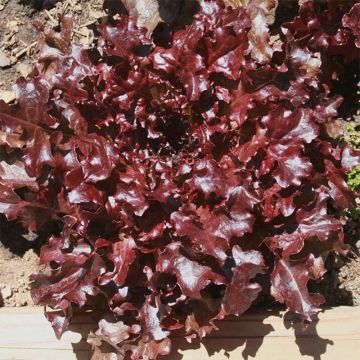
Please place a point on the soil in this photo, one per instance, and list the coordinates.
(340, 285)
(14, 276)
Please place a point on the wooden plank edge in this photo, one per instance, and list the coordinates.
(336, 334)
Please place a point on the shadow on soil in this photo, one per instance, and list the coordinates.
(39, 4)
(18, 240)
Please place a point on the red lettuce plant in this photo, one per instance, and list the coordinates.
(177, 181)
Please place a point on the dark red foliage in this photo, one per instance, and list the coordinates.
(168, 178)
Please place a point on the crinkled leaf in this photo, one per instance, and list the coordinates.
(144, 12)
(116, 332)
(99, 158)
(352, 21)
(38, 153)
(289, 285)
(123, 254)
(191, 276)
(15, 175)
(74, 282)
(241, 293)
(10, 203)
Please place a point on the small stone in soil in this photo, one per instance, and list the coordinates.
(23, 69)
(4, 60)
(20, 303)
(6, 292)
(7, 96)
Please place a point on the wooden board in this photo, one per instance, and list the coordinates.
(25, 334)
